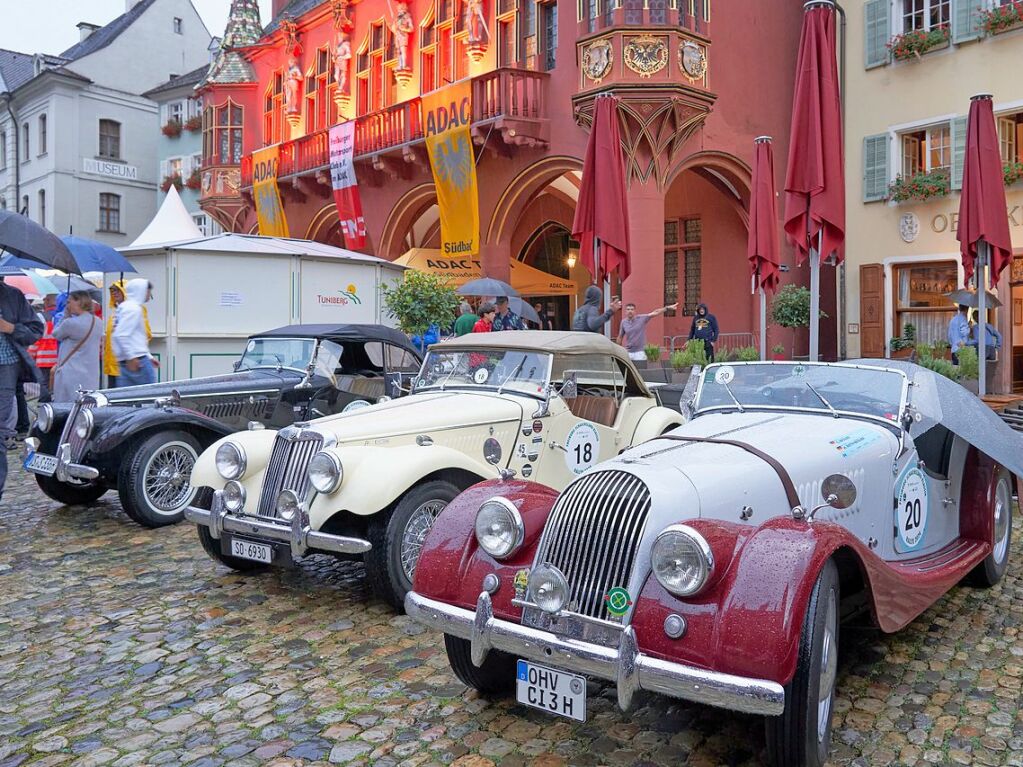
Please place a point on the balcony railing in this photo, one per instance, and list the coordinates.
(512, 94)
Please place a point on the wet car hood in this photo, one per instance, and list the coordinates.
(242, 382)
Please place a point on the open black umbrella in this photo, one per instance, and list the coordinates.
(26, 239)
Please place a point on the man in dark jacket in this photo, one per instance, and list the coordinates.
(705, 328)
(588, 317)
(19, 329)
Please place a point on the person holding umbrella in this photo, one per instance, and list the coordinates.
(19, 329)
(958, 332)
(506, 319)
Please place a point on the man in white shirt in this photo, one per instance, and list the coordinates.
(129, 341)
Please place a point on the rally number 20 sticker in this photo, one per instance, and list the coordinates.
(911, 509)
(582, 447)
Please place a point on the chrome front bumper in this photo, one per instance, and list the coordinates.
(625, 665)
(298, 535)
(66, 471)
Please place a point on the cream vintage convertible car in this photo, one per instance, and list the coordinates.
(543, 405)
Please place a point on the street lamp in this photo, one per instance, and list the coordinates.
(573, 255)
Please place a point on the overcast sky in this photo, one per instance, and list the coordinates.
(48, 26)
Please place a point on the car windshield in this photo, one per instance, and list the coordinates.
(293, 353)
(844, 389)
(525, 372)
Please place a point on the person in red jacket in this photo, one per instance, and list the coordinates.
(44, 354)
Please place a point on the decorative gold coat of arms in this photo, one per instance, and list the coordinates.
(692, 60)
(597, 60)
(646, 55)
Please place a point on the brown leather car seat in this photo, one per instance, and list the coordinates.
(602, 410)
(370, 388)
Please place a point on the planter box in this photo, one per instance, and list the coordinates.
(903, 354)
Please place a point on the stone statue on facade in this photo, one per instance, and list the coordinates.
(342, 57)
(401, 26)
(293, 88)
(476, 22)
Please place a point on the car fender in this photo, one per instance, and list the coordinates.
(257, 445)
(748, 621)
(114, 429)
(452, 565)
(655, 422)
(374, 477)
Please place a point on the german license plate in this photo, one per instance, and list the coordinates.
(556, 692)
(40, 463)
(257, 552)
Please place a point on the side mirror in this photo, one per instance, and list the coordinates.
(237, 364)
(839, 491)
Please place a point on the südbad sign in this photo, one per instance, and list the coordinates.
(447, 114)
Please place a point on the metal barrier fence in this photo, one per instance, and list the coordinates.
(726, 342)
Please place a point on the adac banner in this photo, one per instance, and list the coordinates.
(447, 114)
(269, 210)
(346, 188)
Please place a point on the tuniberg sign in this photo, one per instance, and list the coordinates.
(112, 169)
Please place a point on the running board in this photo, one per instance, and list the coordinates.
(960, 549)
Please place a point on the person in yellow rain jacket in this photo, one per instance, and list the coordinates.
(111, 367)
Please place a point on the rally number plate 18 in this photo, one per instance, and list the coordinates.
(556, 692)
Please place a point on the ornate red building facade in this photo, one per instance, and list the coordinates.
(696, 84)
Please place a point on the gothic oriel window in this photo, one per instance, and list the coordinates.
(222, 134)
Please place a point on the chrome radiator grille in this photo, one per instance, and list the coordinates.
(593, 534)
(286, 470)
(68, 436)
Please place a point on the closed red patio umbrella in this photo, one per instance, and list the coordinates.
(983, 231)
(602, 213)
(815, 176)
(762, 245)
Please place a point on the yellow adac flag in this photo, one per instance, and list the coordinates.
(269, 209)
(447, 114)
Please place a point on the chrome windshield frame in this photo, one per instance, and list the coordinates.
(486, 387)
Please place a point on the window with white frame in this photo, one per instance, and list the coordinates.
(207, 225)
(1010, 137)
(175, 112)
(926, 150)
(925, 14)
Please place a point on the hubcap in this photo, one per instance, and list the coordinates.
(1002, 511)
(412, 539)
(166, 478)
(829, 668)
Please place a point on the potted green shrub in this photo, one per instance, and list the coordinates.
(791, 308)
(683, 360)
(903, 347)
(653, 353)
(969, 368)
(777, 352)
(747, 354)
(420, 300)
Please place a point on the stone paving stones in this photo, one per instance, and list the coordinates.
(125, 647)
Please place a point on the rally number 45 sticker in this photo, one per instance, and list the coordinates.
(911, 508)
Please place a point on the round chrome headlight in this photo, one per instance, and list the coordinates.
(492, 451)
(234, 496)
(499, 528)
(325, 472)
(230, 460)
(287, 505)
(681, 560)
(44, 418)
(548, 588)
(84, 422)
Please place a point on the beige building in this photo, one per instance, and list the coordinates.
(905, 134)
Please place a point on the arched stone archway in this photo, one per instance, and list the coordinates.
(409, 207)
(319, 229)
(521, 190)
(725, 172)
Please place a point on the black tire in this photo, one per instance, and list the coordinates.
(165, 459)
(70, 495)
(990, 571)
(801, 735)
(386, 561)
(212, 547)
(495, 677)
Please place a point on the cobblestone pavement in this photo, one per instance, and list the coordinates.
(124, 646)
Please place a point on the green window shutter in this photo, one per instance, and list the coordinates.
(877, 32)
(958, 151)
(875, 167)
(966, 20)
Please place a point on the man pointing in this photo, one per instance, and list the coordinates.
(633, 330)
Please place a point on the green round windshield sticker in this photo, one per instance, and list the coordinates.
(618, 602)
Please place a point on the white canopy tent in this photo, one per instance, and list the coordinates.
(172, 222)
(211, 292)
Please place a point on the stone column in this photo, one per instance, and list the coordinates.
(645, 286)
(496, 260)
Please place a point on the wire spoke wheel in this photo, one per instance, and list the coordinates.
(166, 477)
(415, 532)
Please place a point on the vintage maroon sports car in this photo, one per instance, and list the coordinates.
(714, 563)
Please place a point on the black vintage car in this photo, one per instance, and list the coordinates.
(144, 440)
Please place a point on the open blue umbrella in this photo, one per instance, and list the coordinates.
(486, 286)
(25, 238)
(94, 256)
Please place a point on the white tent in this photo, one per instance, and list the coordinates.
(209, 293)
(172, 223)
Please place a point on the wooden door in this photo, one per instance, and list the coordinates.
(872, 310)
